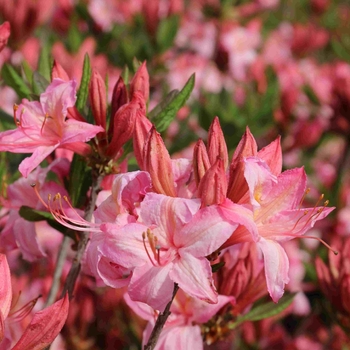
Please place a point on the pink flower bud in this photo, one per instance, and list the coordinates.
(237, 186)
(216, 143)
(201, 161)
(124, 124)
(98, 98)
(140, 82)
(58, 72)
(158, 163)
(119, 99)
(142, 128)
(213, 186)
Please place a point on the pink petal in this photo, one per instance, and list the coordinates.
(44, 327)
(205, 233)
(141, 309)
(5, 287)
(58, 96)
(178, 337)
(194, 276)
(4, 34)
(30, 163)
(27, 240)
(124, 245)
(276, 267)
(152, 285)
(285, 195)
(168, 213)
(272, 155)
(259, 178)
(288, 224)
(203, 312)
(75, 131)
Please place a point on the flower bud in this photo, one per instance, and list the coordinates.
(201, 161)
(216, 143)
(98, 99)
(140, 82)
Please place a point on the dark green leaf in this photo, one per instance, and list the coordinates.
(79, 180)
(265, 310)
(217, 267)
(14, 80)
(158, 109)
(168, 113)
(84, 85)
(33, 215)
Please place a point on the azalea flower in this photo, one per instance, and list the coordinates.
(275, 209)
(42, 126)
(172, 250)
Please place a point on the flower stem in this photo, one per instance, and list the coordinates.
(162, 317)
(58, 270)
(84, 238)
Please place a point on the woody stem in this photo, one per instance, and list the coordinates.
(84, 238)
(162, 317)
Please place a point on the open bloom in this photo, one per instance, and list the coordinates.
(275, 209)
(170, 249)
(42, 126)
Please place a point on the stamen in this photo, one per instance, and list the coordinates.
(38, 195)
(144, 244)
(304, 214)
(18, 315)
(302, 199)
(15, 109)
(42, 127)
(313, 237)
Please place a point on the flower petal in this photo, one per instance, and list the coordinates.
(276, 267)
(5, 287)
(194, 276)
(152, 285)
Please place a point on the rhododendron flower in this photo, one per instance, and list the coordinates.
(275, 203)
(179, 237)
(42, 126)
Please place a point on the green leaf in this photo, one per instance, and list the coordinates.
(44, 65)
(263, 311)
(14, 80)
(217, 267)
(171, 107)
(84, 85)
(33, 215)
(79, 180)
(166, 32)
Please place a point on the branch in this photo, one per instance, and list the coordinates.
(84, 238)
(58, 270)
(162, 317)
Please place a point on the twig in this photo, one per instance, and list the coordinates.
(162, 317)
(58, 270)
(76, 264)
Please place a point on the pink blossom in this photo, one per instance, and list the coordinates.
(275, 209)
(42, 126)
(173, 250)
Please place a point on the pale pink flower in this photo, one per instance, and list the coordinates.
(275, 203)
(42, 126)
(172, 249)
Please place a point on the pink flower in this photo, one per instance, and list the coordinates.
(179, 237)
(275, 203)
(4, 34)
(42, 126)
